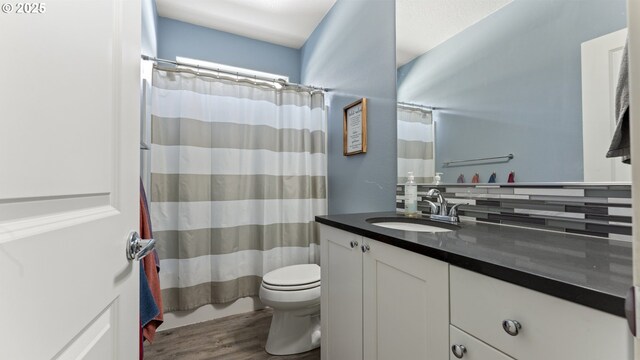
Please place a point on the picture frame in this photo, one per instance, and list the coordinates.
(354, 128)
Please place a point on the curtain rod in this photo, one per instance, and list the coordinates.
(422, 107)
(255, 77)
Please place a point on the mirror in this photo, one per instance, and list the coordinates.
(501, 86)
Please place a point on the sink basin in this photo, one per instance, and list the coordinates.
(411, 224)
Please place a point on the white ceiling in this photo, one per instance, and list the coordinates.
(283, 22)
(422, 25)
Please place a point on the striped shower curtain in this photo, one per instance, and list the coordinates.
(415, 144)
(238, 173)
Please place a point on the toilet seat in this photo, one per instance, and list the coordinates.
(299, 299)
(291, 287)
(294, 277)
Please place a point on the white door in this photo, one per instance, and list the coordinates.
(406, 304)
(601, 59)
(69, 142)
(634, 107)
(341, 303)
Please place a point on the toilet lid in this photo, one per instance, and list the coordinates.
(295, 276)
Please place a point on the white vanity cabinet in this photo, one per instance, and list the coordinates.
(528, 325)
(380, 301)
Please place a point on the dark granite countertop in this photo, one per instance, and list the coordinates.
(590, 271)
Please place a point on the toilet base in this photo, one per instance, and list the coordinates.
(294, 332)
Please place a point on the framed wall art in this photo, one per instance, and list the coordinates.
(354, 128)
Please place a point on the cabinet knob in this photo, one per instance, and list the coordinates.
(458, 351)
(365, 248)
(353, 244)
(511, 327)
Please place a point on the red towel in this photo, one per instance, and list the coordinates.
(141, 347)
(150, 268)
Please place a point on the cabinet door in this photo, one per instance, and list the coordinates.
(474, 349)
(341, 299)
(406, 304)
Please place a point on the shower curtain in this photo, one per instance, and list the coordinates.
(238, 173)
(415, 144)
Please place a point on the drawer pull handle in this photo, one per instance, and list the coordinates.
(511, 327)
(458, 351)
(353, 244)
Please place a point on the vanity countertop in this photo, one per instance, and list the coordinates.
(594, 272)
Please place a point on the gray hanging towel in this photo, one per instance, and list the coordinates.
(621, 144)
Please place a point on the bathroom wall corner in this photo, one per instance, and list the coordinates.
(352, 53)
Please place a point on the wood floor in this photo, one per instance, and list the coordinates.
(237, 337)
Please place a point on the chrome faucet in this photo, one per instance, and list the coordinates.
(439, 209)
(442, 202)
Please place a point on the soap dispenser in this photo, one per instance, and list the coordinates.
(437, 179)
(410, 196)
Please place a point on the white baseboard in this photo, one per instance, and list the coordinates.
(209, 312)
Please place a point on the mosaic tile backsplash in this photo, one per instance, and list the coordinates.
(602, 210)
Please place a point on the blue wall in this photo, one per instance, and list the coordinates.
(512, 84)
(176, 38)
(149, 28)
(352, 52)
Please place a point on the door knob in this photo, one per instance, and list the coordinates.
(458, 351)
(365, 248)
(353, 244)
(138, 248)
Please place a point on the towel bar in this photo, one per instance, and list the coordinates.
(448, 163)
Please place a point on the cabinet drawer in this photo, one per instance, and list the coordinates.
(551, 328)
(474, 348)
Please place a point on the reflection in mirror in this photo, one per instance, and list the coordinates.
(487, 78)
(415, 143)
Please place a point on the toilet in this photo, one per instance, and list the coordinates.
(293, 292)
